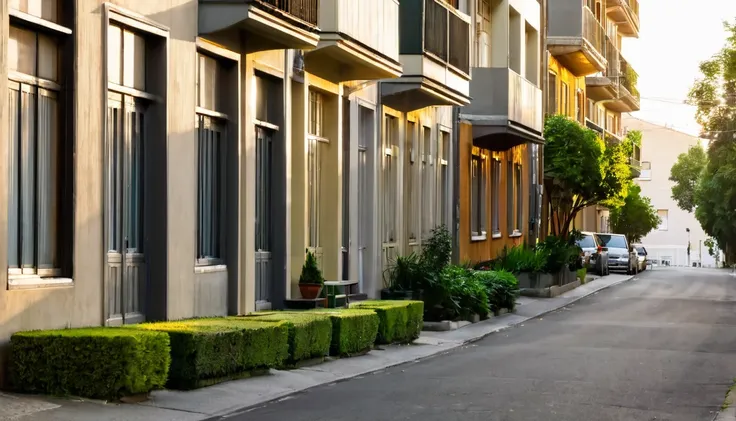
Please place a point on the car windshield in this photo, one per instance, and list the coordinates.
(587, 242)
(613, 241)
(641, 251)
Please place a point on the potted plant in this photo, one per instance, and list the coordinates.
(311, 281)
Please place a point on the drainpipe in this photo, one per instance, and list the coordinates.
(455, 185)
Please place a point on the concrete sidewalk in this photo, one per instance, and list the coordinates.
(237, 396)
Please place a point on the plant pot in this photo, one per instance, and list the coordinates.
(310, 291)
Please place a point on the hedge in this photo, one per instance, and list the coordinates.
(310, 334)
(100, 363)
(209, 351)
(399, 321)
(353, 331)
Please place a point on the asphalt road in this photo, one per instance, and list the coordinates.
(661, 347)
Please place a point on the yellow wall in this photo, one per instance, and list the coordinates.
(575, 86)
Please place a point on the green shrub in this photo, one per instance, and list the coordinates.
(311, 273)
(399, 321)
(560, 253)
(407, 273)
(502, 288)
(353, 330)
(455, 295)
(437, 250)
(209, 351)
(101, 363)
(310, 335)
(520, 259)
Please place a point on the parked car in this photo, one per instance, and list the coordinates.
(595, 253)
(642, 257)
(621, 255)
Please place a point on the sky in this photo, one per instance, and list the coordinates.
(675, 36)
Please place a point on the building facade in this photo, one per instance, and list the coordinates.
(589, 80)
(667, 245)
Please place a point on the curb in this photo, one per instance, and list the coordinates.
(727, 411)
(457, 345)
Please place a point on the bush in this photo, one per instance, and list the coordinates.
(502, 288)
(399, 321)
(209, 351)
(456, 295)
(353, 330)
(560, 254)
(520, 259)
(407, 273)
(310, 334)
(101, 363)
(437, 250)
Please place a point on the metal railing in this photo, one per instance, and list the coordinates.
(446, 35)
(593, 31)
(634, 6)
(613, 68)
(306, 10)
(629, 79)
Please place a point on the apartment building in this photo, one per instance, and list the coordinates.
(500, 131)
(177, 158)
(589, 80)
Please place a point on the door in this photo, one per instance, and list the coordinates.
(363, 221)
(125, 277)
(264, 258)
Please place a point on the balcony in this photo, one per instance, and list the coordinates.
(628, 97)
(359, 40)
(434, 48)
(506, 110)
(269, 24)
(625, 13)
(605, 87)
(635, 162)
(576, 38)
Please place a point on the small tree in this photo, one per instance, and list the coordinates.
(580, 171)
(636, 217)
(685, 173)
(311, 274)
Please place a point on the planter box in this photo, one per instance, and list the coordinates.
(547, 285)
(535, 280)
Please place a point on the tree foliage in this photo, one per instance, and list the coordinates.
(685, 173)
(636, 217)
(714, 95)
(581, 170)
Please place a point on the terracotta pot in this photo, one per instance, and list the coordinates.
(310, 291)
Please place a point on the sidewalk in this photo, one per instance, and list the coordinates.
(217, 401)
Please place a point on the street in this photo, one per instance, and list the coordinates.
(661, 347)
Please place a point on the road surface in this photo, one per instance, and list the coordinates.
(661, 347)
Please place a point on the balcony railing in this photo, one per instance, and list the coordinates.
(613, 68)
(634, 6)
(629, 79)
(306, 10)
(593, 31)
(447, 35)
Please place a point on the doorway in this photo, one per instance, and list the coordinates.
(264, 188)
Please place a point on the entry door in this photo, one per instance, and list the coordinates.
(264, 262)
(125, 274)
(363, 215)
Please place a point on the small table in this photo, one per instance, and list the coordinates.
(332, 285)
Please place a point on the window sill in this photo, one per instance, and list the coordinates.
(36, 282)
(210, 269)
(482, 237)
(497, 235)
(515, 234)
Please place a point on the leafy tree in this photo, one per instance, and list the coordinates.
(714, 95)
(581, 170)
(685, 173)
(636, 217)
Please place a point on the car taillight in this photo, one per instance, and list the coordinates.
(600, 249)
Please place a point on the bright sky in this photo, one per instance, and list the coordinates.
(676, 35)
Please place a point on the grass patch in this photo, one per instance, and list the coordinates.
(100, 363)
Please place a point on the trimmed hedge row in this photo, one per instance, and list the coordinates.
(353, 331)
(310, 335)
(399, 321)
(102, 363)
(209, 351)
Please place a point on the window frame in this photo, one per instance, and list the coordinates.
(443, 198)
(413, 184)
(390, 175)
(496, 171)
(565, 98)
(552, 93)
(664, 222)
(60, 184)
(315, 142)
(428, 178)
(478, 189)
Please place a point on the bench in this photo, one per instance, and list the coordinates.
(333, 296)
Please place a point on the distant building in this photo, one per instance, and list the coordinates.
(660, 148)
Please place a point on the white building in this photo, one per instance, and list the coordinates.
(660, 148)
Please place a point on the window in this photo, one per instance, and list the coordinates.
(519, 197)
(413, 222)
(663, 216)
(427, 174)
(314, 161)
(38, 151)
(646, 170)
(483, 40)
(390, 179)
(580, 107)
(564, 99)
(444, 191)
(495, 197)
(477, 197)
(211, 164)
(552, 90)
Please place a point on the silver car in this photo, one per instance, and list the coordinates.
(641, 257)
(621, 255)
(594, 252)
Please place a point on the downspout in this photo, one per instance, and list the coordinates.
(455, 185)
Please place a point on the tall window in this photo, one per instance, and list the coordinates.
(477, 197)
(211, 163)
(37, 168)
(444, 180)
(564, 99)
(428, 177)
(411, 194)
(390, 179)
(552, 92)
(510, 198)
(495, 197)
(663, 216)
(314, 159)
(483, 40)
(519, 197)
